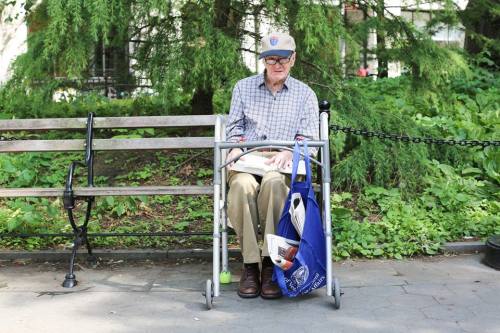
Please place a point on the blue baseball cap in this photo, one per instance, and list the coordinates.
(277, 44)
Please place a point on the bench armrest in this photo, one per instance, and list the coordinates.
(68, 194)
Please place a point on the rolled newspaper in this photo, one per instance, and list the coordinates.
(297, 212)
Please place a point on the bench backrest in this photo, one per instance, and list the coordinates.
(106, 123)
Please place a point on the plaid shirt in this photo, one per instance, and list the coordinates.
(256, 114)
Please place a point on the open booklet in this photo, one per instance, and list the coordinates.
(256, 165)
(281, 250)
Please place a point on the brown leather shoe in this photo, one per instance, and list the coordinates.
(270, 289)
(249, 281)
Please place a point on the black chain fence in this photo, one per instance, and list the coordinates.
(409, 139)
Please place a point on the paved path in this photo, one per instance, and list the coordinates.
(441, 294)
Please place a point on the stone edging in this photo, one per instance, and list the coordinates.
(463, 247)
(132, 254)
(152, 254)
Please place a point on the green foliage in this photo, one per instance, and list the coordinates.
(15, 103)
(480, 18)
(430, 65)
(465, 203)
(76, 26)
(467, 109)
(30, 215)
(32, 170)
(387, 225)
(110, 214)
(317, 28)
(417, 203)
(36, 170)
(191, 51)
(376, 106)
(391, 227)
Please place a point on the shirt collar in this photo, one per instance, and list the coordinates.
(261, 81)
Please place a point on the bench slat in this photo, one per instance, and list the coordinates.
(30, 192)
(107, 191)
(154, 121)
(153, 143)
(41, 145)
(43, 124)
(105, 144)
(108, 122)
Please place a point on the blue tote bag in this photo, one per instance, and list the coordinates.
(308, 270)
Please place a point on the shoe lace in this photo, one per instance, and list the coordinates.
(250, 270)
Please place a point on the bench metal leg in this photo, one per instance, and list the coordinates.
(91, 259)
(80, 233)
(70, 279)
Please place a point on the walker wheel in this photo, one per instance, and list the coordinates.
(336, 293)
(209, 294)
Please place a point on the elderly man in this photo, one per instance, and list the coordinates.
(268, 106)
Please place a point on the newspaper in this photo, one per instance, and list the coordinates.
(282, 251)
(297, 212)
(256, 165)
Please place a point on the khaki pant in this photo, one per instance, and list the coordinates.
(255, 203)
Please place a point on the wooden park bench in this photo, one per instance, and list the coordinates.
(70, 193)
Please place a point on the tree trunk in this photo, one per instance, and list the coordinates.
(480, 21)
(202, 101)
(228, 21)
(383, 63)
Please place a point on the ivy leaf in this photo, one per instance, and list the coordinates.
(110, 201)
(12, 224)
(120, 209)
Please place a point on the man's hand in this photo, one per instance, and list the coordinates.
(232, 154)
(282, 159)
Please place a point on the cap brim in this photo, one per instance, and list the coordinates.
(276, 53)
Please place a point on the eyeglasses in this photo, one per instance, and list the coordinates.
(274, 61)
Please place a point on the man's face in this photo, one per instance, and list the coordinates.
(277, 68)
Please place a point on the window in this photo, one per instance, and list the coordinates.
(445, 35)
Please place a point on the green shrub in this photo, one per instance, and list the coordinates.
(451, 207)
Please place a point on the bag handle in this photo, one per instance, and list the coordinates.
(296, 159)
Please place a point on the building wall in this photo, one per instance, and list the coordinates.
(419, 13)
(13, 37)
